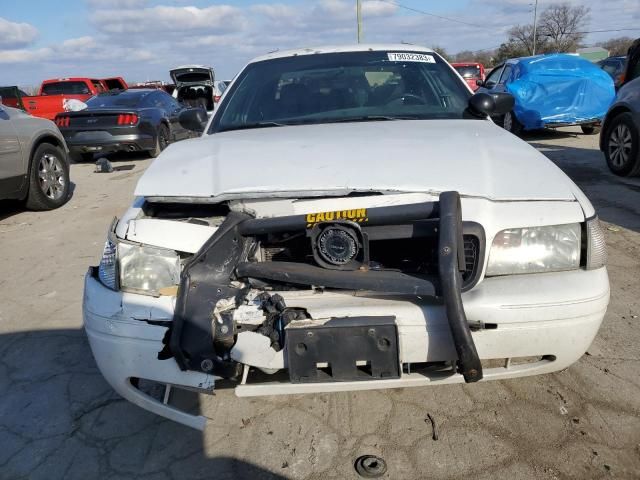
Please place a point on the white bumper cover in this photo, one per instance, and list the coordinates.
(555, 315)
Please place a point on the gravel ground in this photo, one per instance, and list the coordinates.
(59, 419)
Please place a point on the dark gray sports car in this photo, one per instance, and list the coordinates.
(126, 120)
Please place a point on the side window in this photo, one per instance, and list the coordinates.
(65, 88)
(506, 73)
(493, 77)
(164, 100)
(98, 86)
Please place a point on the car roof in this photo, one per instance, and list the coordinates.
(361, 47)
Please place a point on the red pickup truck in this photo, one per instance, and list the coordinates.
(471, 72)
(54, 94)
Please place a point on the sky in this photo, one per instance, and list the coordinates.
(143, 39)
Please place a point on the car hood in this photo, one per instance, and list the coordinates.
(476, 158)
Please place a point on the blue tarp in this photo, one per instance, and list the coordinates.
(559, 88)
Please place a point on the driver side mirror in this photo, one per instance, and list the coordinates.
(485, 104)
(193, 119)
(480, 83)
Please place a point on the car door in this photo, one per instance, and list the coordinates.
(505, 76)
(492, 79)
(172, 110)
(11, 174)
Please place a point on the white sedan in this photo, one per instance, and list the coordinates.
(350, 219)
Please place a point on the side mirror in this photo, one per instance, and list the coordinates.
(485, 104)
(193, 119)
(480, 83)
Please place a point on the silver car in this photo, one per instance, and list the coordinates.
(34, 161)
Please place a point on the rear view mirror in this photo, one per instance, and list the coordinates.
(193, 119)
(484, 104)
(504, 102)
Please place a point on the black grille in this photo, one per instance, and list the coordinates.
(410, 255)
(471, 256)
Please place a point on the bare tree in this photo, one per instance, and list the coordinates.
(617, 46)
(521, 36)
(441, 50)
(561, 24)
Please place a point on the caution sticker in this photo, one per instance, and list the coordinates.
(410, 57)
(356, 215)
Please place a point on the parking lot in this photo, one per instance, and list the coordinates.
(59, 418)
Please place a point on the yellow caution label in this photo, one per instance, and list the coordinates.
(356, 215)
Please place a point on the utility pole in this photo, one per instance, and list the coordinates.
(535, 25)
(359, 18)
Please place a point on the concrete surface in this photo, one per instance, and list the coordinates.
(59, 419)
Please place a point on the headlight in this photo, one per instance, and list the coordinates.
(147, 269)
(535, 250)
(596, 246)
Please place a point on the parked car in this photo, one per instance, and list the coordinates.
(34, 165)
(471, 72)
(615, 67)
(194, 86)
(54, 94)
(326, 230)
(219, 86)
(12, 97)
(123, 120)
(552, 91)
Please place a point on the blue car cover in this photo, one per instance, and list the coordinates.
(559, 89)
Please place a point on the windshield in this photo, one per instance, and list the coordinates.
(469, 71)
(342, 87)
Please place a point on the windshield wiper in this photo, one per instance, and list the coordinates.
(247, 126)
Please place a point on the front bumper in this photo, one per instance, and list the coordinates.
(554, 316)
(104, 141)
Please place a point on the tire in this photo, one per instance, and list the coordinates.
(511, 124)
(162, 141)
(590, 129)
(48, 178)
(622, 146)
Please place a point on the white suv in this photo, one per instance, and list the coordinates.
(350, 219)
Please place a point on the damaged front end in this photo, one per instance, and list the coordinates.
(231, 312)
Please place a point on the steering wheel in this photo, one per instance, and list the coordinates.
(404, 96)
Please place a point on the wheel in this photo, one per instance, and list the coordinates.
(48, 178)
(162, 140)
(511, 124)
(590, 129)
(621, 146)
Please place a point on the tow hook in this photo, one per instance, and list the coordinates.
(370, 466)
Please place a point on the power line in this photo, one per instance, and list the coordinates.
(411, 9)
(612, 30)
(416, 10)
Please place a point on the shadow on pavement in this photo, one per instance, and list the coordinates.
(548, 134)
(60, 419)
(9, 208)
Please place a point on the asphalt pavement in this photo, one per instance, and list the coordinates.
(60, 420)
